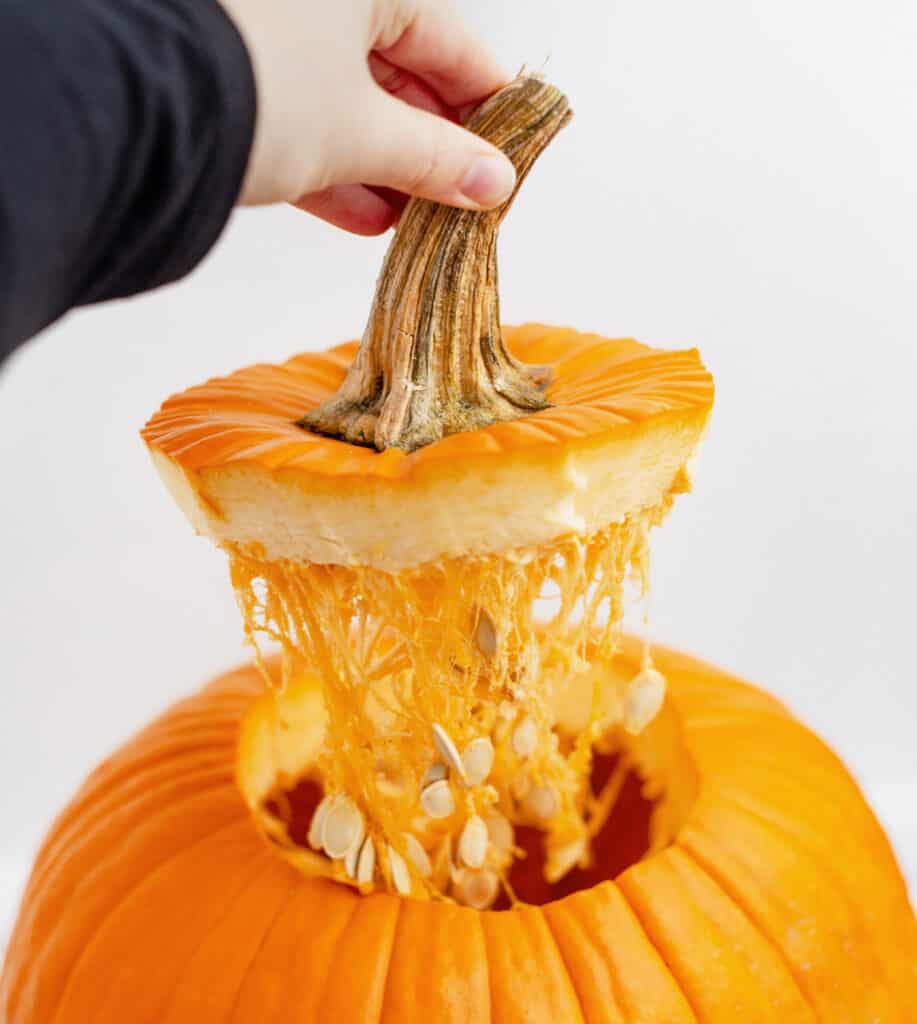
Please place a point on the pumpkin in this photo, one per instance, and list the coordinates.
(157, 897)
(458, 792)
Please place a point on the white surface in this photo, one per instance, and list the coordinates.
(739, 176)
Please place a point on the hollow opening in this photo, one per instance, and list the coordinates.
(623, 839)
(641, 788)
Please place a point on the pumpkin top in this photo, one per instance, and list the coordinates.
(602, 389)
(623, 422)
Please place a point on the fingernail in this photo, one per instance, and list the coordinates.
(489, 181)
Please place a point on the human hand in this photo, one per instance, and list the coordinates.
(357, 107)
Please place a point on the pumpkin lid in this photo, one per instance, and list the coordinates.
(624, 423)
(491, 438)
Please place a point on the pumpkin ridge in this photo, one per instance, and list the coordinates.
(281, 911)
(651, 939)
(338, 943)
(566, 965)
(255, 878)
(120, 902)
(818, 778)
(163, 754)
(825, 870)
(727, 890)
(104, 786)
(776, 824)
(63, 834)
(302, 906)
(381, 1017)
(297, 933)
(163, 750)
(60, 878)
(84, 833)
(566, 908)
(561, 959)
(479, 924)
(387, 926)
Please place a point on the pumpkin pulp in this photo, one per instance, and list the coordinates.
(639, 791)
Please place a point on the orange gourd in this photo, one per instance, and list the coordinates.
(458, 792)
(157, 898)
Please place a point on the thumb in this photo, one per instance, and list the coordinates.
(422, 154)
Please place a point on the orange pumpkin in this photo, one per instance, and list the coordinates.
(157, 899)
(440, 804)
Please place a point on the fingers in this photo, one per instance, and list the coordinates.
(428, 38)
(352, 207)
(400, 147)
(407, 87)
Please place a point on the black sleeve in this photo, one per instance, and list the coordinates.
(125, 130)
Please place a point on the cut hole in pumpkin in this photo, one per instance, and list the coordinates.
(640, 791)
(624, 838)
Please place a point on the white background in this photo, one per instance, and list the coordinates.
(739, 176)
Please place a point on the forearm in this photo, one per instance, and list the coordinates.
(125, 130)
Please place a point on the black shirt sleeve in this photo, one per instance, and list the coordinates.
(125, 131)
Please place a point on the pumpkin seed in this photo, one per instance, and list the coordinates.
(447, 750)
(401, 877)
(351, 858)
(477, 889)
(366, 865)
(318, 822)
(343, 827)
(417, 855)
(478, 759)
(485, 635)
(499, 831)
(437, 799)
(472, 846)
(644, 699)
(543, 801)
(434, 773)
(525, 737)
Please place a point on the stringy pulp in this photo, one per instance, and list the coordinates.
(450, 690)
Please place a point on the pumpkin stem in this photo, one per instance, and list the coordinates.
(432, 361)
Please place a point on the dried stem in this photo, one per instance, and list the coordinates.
(432, 361)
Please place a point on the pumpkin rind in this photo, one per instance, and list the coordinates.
(156, 899)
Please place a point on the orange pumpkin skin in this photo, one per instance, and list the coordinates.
(157, 900)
